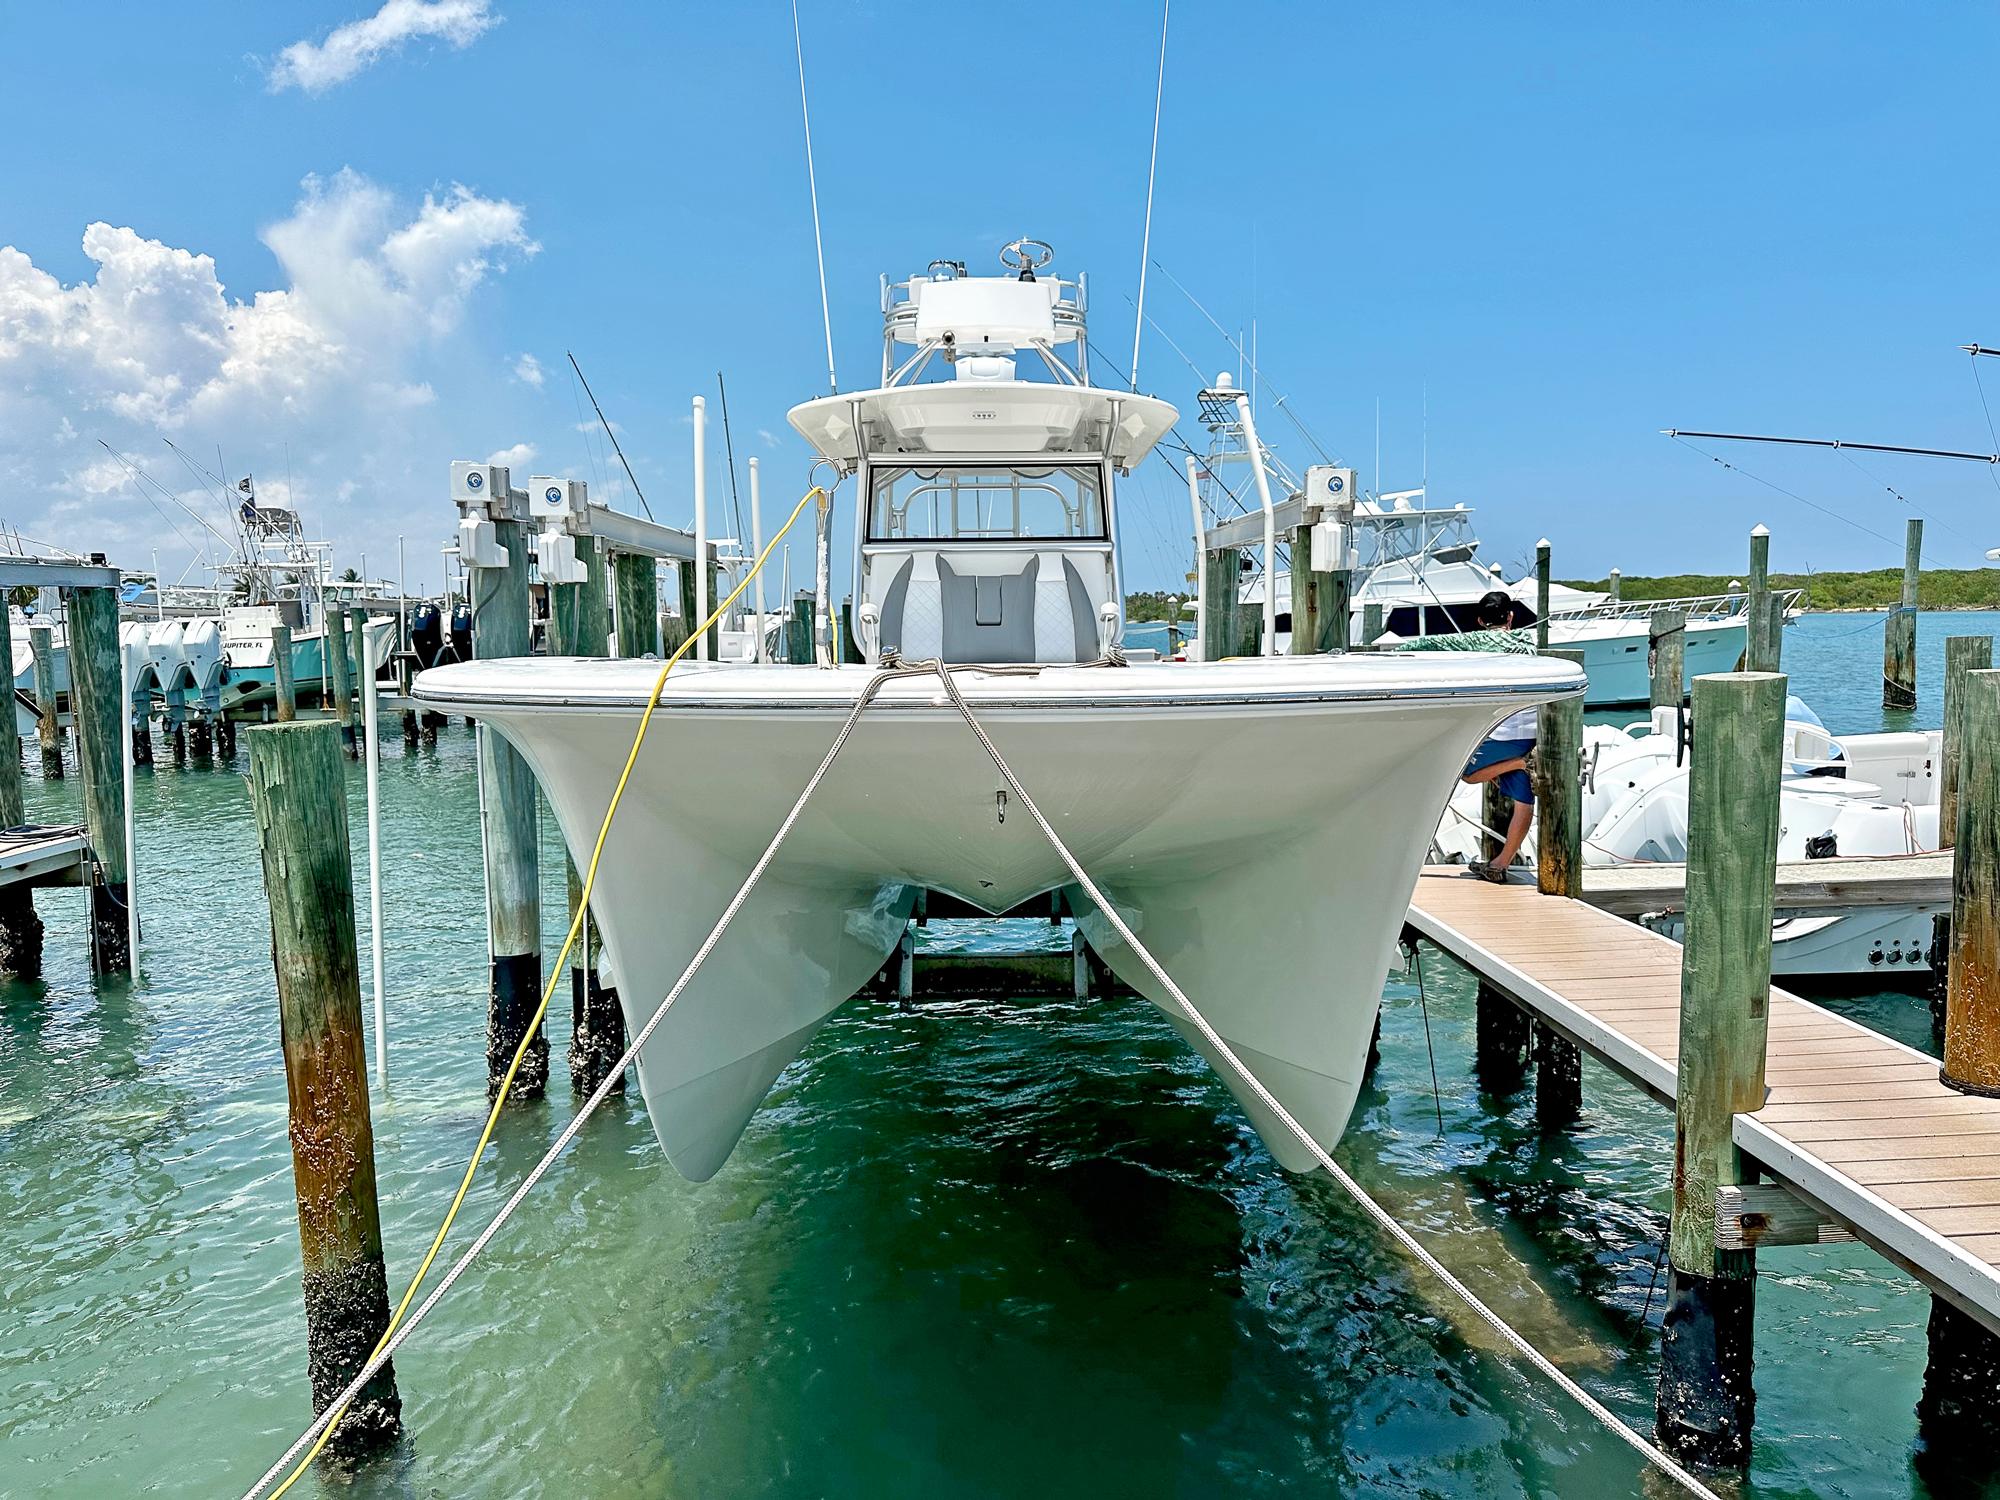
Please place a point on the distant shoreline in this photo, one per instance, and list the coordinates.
(1879, 589)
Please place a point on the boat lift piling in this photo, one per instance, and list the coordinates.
(282, 686)
(494, 548)
(1542, 594)
(1958, 1410)
(1558, 777)
(579, 617)
(99, 709)
(297, 792)
(1899, 632)
(20, 927)
(41, 638)
(1758, 647)
(1666, 634)
(1616, 586)
(1706, 1400)
(333, 633)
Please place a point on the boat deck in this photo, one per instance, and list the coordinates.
(43, 855)
(1854, 1124)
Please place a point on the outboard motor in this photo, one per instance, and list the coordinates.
(461, 632)
(426, 634)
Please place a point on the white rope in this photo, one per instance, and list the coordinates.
(1152, 168)
(1651, 1452)
(1222, 1050)
(812, 187)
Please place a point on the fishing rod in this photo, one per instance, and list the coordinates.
(1799, 442)
(610, 434)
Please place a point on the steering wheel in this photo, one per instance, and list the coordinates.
(1026, 256)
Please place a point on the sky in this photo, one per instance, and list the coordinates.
(345, 243)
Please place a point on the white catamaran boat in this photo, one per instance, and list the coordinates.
(1258, 824)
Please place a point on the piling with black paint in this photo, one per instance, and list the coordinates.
(20, 928)
(1706, 1401)
(500, 628)
(579, 625)
(98, 709)
(298, 793)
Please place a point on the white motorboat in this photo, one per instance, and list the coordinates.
(1258, 824)
(1864, 796)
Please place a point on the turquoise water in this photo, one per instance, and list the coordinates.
(992, 1249)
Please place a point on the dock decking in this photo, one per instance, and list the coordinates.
(43, 855)
(1855, 1124)
(1803, 885)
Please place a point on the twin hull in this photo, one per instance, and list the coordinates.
(1263, 847)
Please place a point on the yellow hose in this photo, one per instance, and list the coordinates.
(555, 975)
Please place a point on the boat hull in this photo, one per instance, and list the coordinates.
(1259, 826)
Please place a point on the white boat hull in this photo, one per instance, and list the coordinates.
(1260, 826)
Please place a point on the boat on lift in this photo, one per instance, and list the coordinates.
(1258, 824)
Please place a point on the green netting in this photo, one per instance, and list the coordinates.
(1520, 642)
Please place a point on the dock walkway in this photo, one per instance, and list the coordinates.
(41, 854)
(1854, 1124)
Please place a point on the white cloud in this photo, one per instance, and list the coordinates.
(348, 50)
(517, 457)
(528, 370)
(333, 374)
(768, 437)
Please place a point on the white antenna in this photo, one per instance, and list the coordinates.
(1427, 442)
(1378, 447)
(812, 186)
(1152, 166)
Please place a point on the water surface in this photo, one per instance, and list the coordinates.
(987, 1249)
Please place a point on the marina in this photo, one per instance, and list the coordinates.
(891, 894)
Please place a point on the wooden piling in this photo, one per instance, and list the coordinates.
(1972, 996)
(1899, 633)
(299, 795)
(1774, 633)
(500, 628)
(20, 928)
(333, 638)
(1220, 632)
(1757, 607)
(636, 580)
(1616, 586)
(1371, 623)
(579, 619)
(1542, 594)
(1321, 602)
(282, 686)
(1557, 769)
(799, 632)
(1962, 654)
(98, 709)
(48, 721)
(1706, 1401)
(1501, 1040)
(1666, 652)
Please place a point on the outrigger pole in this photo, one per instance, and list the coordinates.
(1798, 442)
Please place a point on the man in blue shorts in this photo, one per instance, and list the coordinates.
(1503, 758)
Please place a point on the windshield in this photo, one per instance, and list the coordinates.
(985, 502)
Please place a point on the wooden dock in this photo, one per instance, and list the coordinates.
(1803, 885)
(1856, 1126)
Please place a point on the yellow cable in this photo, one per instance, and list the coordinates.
(569, 941)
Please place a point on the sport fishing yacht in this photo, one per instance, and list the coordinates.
(1258, 824)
